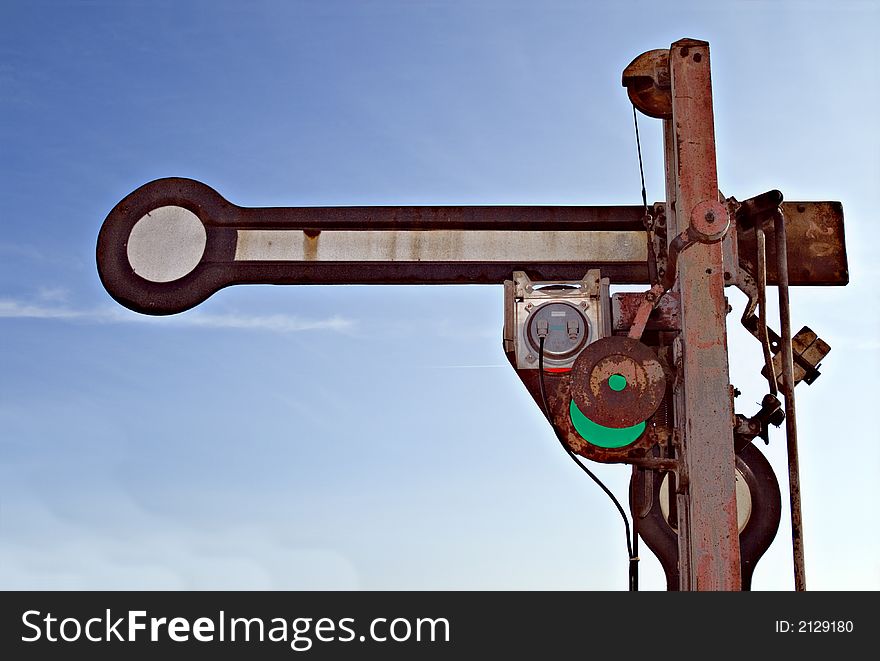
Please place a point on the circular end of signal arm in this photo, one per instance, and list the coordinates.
(165, 247)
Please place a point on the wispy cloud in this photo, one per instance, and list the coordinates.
(460, 367)
(30, 253)
(54, 294)
(449, 328)
(278, 323)
(11, 309)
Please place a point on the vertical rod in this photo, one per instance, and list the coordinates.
(634, 560)
(761, 249)
(708, 533)
(681, 499)
(794, 478)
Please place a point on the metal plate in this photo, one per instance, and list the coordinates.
(664, 317)
(595, 395)
(816, 245)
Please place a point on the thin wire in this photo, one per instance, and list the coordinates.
(641, 167)
(647, 219)
(633, 560)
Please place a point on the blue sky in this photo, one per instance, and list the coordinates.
(374, 437)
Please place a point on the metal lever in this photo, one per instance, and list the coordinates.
(172, 243)
(709, 223)
(788, 383)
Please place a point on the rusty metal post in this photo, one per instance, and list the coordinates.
(707, 520)
(794, 475)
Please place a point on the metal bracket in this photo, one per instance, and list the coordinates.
(709, 223)
(808, 350)
(747, 429)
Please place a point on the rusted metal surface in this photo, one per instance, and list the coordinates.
(647, 83)
(591, 290)
(708, 540)
(310, 258)
(709, 221)
(649, 299)
(677, 245)
(763, 330)
(640, 397)
(558, 389)
(456, 246)
(746, 429)
(816, 245)
(808, 350)
(788, 383)
(657, 248)
(664, 317)
(559, 407)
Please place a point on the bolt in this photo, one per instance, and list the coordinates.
(530, 358)
(710, 217)
(583, 304)
(529, 306)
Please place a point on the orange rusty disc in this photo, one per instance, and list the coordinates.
(617, 382)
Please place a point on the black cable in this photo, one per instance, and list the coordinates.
(641, 167)
(633, 559)
(648, 221)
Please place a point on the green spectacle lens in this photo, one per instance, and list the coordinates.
(604, 437)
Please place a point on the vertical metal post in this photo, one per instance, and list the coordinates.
(794, 475)
(707, 521)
